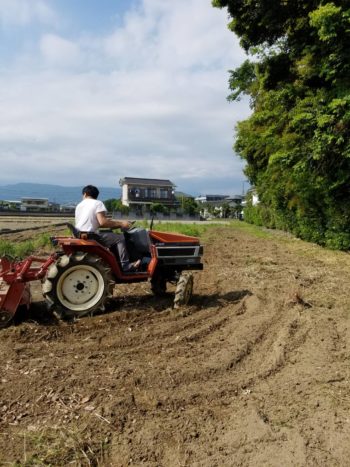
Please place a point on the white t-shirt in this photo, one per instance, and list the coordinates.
(85, 214)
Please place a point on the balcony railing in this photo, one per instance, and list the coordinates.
(152, 199)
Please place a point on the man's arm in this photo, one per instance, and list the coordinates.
(112, 223)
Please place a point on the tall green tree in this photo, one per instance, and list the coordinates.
(297, 141)
(116, 205)
(190, 206)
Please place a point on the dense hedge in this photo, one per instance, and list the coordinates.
(306, 228)
(297, 141)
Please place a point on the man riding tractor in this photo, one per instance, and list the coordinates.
(78, 279)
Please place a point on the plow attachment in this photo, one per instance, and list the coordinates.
(14, 284)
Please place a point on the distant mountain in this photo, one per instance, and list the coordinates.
(54, 193)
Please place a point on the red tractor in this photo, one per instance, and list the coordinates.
(79, 279)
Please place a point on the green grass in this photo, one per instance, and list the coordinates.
(23, 249)
(7, 248)
(197, 229)
(62, 446)
(194, 230)
(250, 229)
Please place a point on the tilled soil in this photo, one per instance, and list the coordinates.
(255, 372)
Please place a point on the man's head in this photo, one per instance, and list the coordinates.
(90, 190)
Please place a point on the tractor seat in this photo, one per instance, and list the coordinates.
(93, 236)
(75, 232)
(83, 235)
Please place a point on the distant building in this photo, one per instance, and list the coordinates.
(69, 208)
(35, 204)
(13, 205)
(220, 205)
(141, 193)
(234, 200)
(210, 198)
(54, 207)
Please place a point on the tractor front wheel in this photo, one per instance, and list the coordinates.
(78, 285)
(158, 285)
(184, 289)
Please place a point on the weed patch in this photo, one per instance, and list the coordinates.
(58, 446)
(250, 229)
(23, 249)
(194, 230)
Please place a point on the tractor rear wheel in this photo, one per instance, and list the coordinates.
(184, 289)
(78, 285)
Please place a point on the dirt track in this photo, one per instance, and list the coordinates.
(254, 373)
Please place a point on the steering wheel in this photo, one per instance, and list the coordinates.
(130, 228)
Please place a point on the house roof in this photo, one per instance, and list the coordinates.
(234, 197)
(145, 181)
(212, 197)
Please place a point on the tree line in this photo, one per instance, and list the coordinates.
(187, 205)
(296, 142)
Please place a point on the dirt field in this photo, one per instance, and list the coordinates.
(26, 222)
(255, 372)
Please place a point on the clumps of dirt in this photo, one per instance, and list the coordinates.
(254, 371)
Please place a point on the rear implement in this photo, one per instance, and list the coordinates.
(14, 283)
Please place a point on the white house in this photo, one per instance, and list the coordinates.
(140, 193)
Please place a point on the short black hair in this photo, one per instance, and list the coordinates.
(91, 190)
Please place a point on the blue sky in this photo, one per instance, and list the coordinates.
(93, 91)
(98, 16)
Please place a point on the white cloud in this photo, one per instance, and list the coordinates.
(58, 51)
(23, 12)
(174, 35)
(147, 100)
